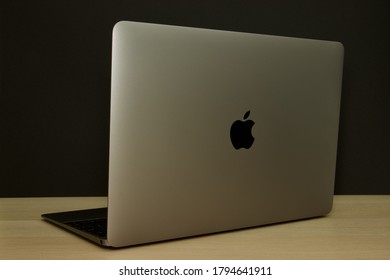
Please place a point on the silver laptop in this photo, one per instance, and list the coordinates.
(214, 131)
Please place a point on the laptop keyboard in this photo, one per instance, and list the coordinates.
(97, 227)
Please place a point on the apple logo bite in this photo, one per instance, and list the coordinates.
(241, 133)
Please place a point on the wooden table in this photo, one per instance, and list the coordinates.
(357, 228)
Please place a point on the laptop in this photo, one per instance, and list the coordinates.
(214, 131)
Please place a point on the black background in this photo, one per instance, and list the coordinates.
(55, 83)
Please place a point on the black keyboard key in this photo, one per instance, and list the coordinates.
(97, 227)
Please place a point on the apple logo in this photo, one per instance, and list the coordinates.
(241, 133)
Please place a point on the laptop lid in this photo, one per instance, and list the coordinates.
(215, 130)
